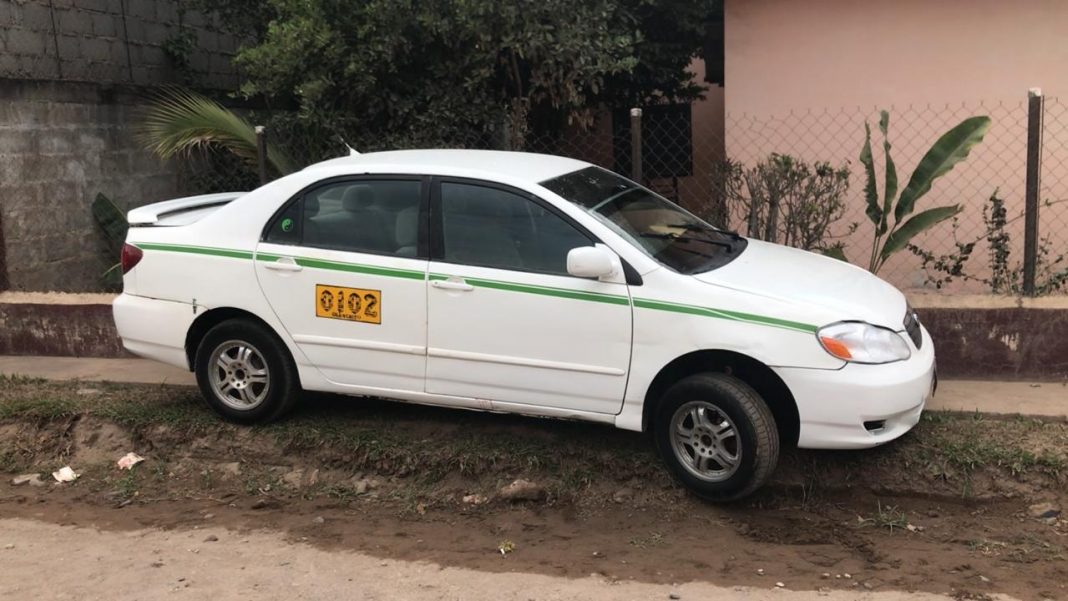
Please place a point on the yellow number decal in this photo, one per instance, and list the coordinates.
(350, 304)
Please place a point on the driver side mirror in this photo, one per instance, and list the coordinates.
(590, 262)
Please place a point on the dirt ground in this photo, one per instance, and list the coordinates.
(216, 563)
(351, 484)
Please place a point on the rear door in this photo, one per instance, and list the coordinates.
(343, 269)
(507, 324)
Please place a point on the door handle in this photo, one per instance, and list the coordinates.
(452, 285)
(283, 264)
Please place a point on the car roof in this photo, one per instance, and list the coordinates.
(526, 166)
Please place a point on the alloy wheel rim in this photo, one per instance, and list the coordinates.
(239, 375)
(705, 441)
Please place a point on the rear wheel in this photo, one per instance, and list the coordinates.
(717, 436)
(245, 373)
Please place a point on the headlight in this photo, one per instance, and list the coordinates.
(861, 342)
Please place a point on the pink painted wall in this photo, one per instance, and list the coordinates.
(802, 77)
(786, 54)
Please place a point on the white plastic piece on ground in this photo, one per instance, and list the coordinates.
(129, 460)
(65, 474)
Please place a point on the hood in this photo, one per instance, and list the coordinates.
(842, 290)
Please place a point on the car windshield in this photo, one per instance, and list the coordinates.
(663, 230)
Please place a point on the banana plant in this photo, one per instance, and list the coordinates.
(179, 121)
(113, 224)
(952, 148)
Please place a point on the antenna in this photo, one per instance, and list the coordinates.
(352, 151)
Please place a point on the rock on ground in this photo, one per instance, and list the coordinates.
(523, 490)
(31, 479)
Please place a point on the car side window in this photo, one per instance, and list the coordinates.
(286, 227)
(370, 216)
(491, 227)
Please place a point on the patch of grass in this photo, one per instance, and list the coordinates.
(971, 454)
(207, 480)
(38, 408)
(341, 492)
(989, 548)
(127, 485)
(654, 539)
(129, 405)
(965, 443)
(936, 417)
(18, 380)
(1028, 548)
(184, 413)
(258, 482)
(887, 517)
(159, 472)
(1025, 548)
(11, 462)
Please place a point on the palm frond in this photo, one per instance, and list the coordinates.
(179, 121)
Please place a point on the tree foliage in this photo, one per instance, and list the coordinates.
(389, 73)
(179, 121)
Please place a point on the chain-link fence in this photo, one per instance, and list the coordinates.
(797, 179)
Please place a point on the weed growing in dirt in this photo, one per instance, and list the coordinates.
(971, 454)
(345, 494)
(207, 480)
(41, 408)
(11, 462)
(1028, 548)
(654, 539)
(964, 444)
(126, 486)
(888, 517)
(18, 380)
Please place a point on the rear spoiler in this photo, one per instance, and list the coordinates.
(180, 211)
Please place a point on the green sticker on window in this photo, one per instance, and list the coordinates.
(287, 224)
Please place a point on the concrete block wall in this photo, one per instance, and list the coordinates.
(73, 74)
(61, 143)
(111, 41)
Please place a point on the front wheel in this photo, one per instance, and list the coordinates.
(717, 436)
(245, 373)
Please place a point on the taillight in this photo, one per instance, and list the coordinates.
(131, 256)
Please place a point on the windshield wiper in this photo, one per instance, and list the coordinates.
(726, 245)
(697, 227)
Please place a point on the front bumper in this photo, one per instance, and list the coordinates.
(834, 405)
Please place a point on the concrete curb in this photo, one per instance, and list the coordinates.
(58, 329)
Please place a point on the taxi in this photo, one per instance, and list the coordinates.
(523, 283)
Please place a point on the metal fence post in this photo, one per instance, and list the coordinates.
(261, 152)
(4, 284)
(636, 145)
(1031, 191)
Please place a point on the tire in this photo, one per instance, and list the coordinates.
(705, 409)
(260, 382)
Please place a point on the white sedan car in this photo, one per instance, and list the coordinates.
(530, 284)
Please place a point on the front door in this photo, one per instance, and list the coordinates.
(343, 270)
(507, 323)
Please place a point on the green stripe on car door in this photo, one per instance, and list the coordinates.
(596, 297)
(199, 250)
(358, 268)
(774, 322)
(569, 293)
